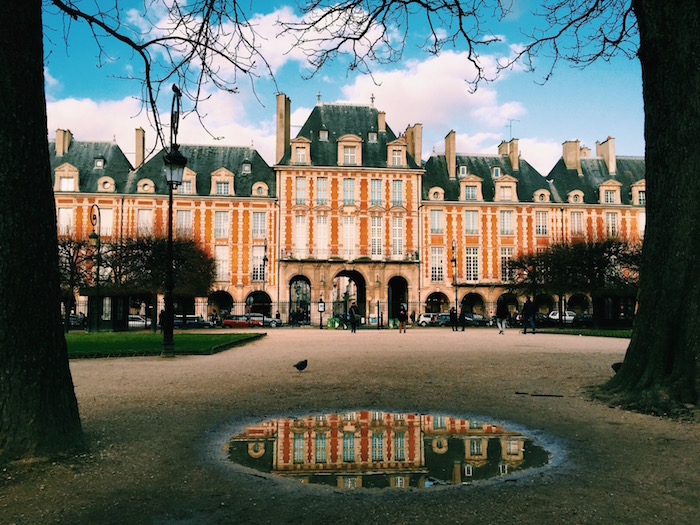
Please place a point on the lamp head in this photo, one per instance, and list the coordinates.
(175, 163)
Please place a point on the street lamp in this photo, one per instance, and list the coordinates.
(175, 164)
(454, 270)
(96, 242)
(264, 261)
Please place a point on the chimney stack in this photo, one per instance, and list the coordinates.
(571, 153)
(283, 125)
(514, 154)
(414, 138)
(63, 140)
(451, 155)
(381, 121)
(140, 150)
(607, 151)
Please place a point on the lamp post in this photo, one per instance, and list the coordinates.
(96, 242)
(454, 270)
(264, 261)
(175, 164)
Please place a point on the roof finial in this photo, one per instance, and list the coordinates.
(318, 96)
(372, 98)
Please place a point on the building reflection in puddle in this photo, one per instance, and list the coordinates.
(374, 449)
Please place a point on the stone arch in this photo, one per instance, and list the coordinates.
(512, 303)
(544, 303)
(397, 294)
(579, 303)
(349, 285)
(437, 302)
(474, 303)
(259, 302)
(221, 302)
(299, 300)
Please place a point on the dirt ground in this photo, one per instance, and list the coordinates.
(154, 426)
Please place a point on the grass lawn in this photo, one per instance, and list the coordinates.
(124, 344)
(587, 331)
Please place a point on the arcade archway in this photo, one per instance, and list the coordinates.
(578, 303)
(398, 295)
(220, 302)
(437, 302)
(473, 303)
(299, 300)
(260, 303)
(349, 286)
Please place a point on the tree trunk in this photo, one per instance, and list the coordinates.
(661, 366)
(38, 408)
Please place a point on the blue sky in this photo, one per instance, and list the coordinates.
(95, 102)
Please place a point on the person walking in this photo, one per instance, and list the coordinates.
(453, 318)
(403, 316)
(463, 318)
(501, 314)
(354, 317)
(528, 315)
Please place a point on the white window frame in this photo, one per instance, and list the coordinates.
(506, 222)
(221, 224)
(397, 237)
(376, 192)
(185, 188)
(609, 196)
(471, 222)
(259, 230)
(257, 263)
(376, 236)
(183, 222)
(471, 261)
(222, 256)
(222, 187)
(300, 236)
(611, 225)
(65, 221)
(349, 155)
(576, 222)
(396, 157)
(300, 154)
(300, 190)
(67, 184)
(506, 193)
(349, 237)
(348, 192)
(397, 192)
(506, 270)
(437, 264)
(144, 222)
(470, 192)
(541, 222)
(436, 221)
(321, 191)
(322, 251)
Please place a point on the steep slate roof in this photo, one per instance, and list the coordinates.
(436, 174)
(204, 160)
(343, 119)
(82, 155)
(593, 173)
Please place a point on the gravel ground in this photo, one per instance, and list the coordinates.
(155, 428)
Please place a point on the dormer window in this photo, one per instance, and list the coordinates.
(99, 163)
(542, 196)
(609, 192)
(642, 198)
(396, 157)
(185, 188)
(323, 135)
(145, 186)
(349, 150)
(300, 155)
(222, 182)
(462, 171)
(496, 172)
(246, 167)
(67, 184)
(575, 197)
(301, 150)
(470, 193)
(372, 136)
(105, 185)
(349, 155)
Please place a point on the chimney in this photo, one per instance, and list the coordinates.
(283, 125)
(63, 139)
(451, 155)
(514, 154)
(503, 148)
(607, 151)
(381, 121)
(140, 150)
(414, 138)
(571, 153)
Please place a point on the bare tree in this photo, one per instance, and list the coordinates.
(73, 264)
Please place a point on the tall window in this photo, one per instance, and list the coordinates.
(642, 197)
(470, 193)
(349, 155)
(258, 273)
(377, 446)
(300, 155)
(506, 271)
(641, 223)
(435, 221)
(321, 190)
(221, 224)
(222, 187)
(106, 222)
(396, 157)
(396, 236)
(349, 237)
(376, 236)
(397, 192)
(320, 448)
(259, 229)
(348, 446)
(183, 220)
(298, 448)
(471, 222)
(506, 193)
(506, 222)
(576, 219)
(436, 264)
(348, 192)
(541, 220)
(611, 223)
(65, 221)
(399, 446)
(300, 236)
(322, 251)
(475, 447)
(609, 196)
(471, 256)
(222, 255)
(144, 222)
(376, 192)
(300, 190)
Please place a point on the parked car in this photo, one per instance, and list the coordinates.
(241, 321)
(272, 322)
(540, 320)
(137, 321)
(568, 316)
(442, 320)
(472, 319)
(76, 321)
(426, 319)
(192, 321)
(583, 320)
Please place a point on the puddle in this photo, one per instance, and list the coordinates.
(372, 449)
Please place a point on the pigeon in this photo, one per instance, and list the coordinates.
(301, 365)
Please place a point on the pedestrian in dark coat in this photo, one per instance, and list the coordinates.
(354, 317)
(528, 315)
(403, 317)
(453, 318)
(502, 314)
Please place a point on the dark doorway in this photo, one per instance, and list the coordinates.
(398, 295)
(299, 300)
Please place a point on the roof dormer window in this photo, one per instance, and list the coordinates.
(323, 135)
(246, 167)
(372, 136)
(462, 171)
(99, 163)
(496, 172)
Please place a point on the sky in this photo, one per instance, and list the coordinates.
(91, 94)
